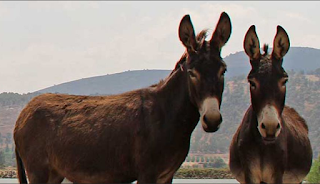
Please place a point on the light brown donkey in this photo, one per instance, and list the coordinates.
(271, 145)
(140, 135)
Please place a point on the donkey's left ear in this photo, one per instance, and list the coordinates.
(222, 32)
(186, 34)
(281, 43)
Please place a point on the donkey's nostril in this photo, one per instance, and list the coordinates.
(278, 126)
(220, 120)
(263, 126)
(205, 119)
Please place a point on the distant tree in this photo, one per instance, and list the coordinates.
(7, 148)
(7, 141)
(188, 159)
(197, 159)
(219, 163)
(202, 159)
(192, 159)
(2, 159)
(9, 137)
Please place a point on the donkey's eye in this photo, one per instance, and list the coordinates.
(190, 72)
(223, 72)
(252, 85)
(284, 82)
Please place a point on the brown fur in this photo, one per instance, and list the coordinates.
(290, 154)
(286, 159)
(140, 135)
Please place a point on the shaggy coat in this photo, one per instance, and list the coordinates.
(140, 135)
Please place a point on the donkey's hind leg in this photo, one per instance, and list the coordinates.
(55, 177)
(38, 174)
(44, 175)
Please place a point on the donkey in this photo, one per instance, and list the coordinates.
(141, 135)
(271, 145)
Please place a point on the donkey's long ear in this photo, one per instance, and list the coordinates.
(222, 32)
(281, 43)
(186, 34)
(251, 44)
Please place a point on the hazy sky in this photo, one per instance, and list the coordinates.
(47, 43)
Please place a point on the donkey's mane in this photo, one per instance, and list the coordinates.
(265, 66)
(265, 49)
(201, 40)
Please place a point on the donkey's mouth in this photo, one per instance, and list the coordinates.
(269, 140)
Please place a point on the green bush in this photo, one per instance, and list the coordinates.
(192, 159)
(203, 173)
(197, 159)
(314, 174)
(188, 159)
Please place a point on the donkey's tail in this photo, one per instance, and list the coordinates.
(21, 172)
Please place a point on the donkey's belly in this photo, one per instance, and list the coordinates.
(99, 178)
(95, 173)
(94, 162)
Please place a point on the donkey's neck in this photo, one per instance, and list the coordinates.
(174, 95)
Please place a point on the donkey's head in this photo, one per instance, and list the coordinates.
(205, 69)
(267, 81)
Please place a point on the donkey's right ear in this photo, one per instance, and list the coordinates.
(251, 44)
(187, 35)
(281, 43)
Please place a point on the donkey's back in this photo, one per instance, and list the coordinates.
(299, 152)
(67, 135)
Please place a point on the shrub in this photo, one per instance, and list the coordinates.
(203, 173)
(314, 174)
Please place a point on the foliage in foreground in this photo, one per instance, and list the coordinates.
(314, 174)
(203, 173)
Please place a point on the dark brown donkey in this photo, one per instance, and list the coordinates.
(140, 135)
(271, 145)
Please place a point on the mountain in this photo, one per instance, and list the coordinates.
(298, 59)
(110, 84)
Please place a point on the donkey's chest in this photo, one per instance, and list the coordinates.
(261, 171)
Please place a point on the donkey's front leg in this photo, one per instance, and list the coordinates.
(251, 176)
(168, 180)
(148, 177)
(278, 177)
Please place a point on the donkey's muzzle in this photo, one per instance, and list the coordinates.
(269, 123)
(210, 115)
(211, 123)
